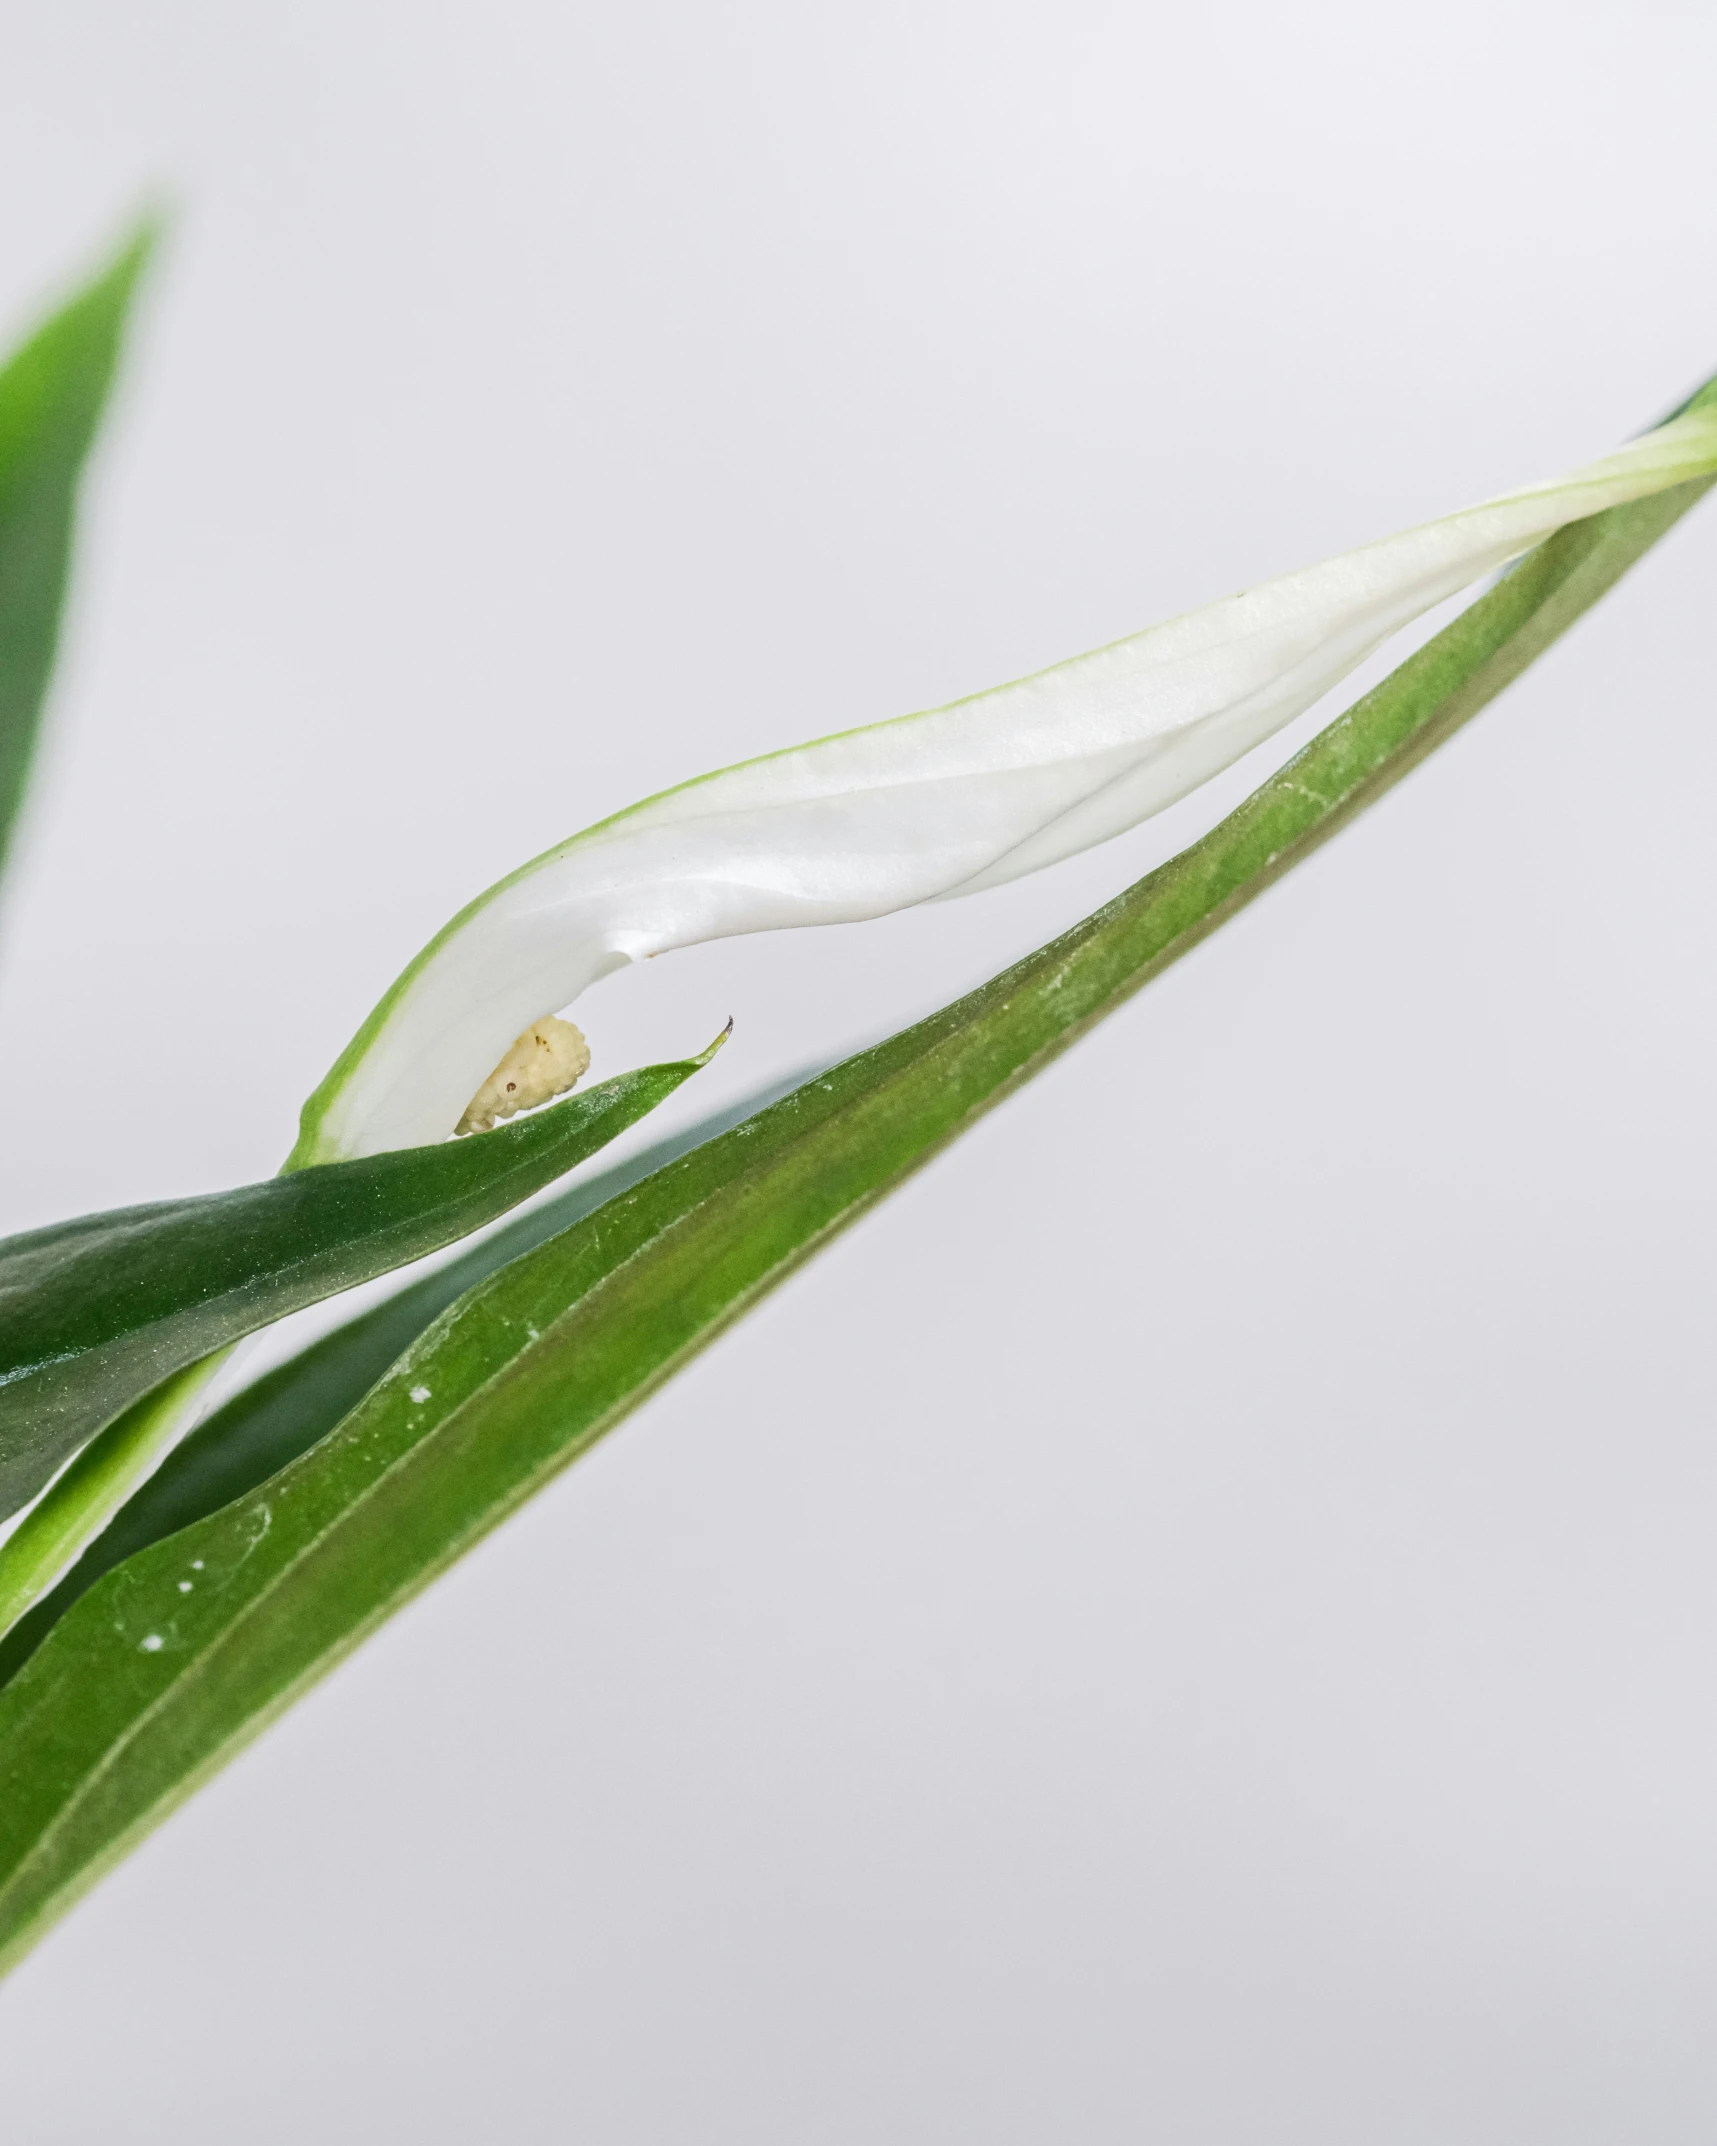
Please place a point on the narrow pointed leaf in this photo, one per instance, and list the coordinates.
(51, 396)
(943, 803)
(285, 1412)
(96, 1312)
(173, 1660)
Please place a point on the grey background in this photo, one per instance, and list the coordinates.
(1195, 1621)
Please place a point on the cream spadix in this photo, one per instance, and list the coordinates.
(925, 806)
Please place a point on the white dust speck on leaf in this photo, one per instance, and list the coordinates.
(184, 1587)
(420, 1394)
(151, 1643)
(196, 1564)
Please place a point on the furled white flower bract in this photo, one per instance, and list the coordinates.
(925, 806)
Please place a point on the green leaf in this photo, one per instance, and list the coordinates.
(96, 1312)
(51, 395)
(173, 1660)
(284, 1413)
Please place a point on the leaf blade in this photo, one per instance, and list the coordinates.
(281, 1415)
(52, 393)
(96, 1312)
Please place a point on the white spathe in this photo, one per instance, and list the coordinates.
(925, 806)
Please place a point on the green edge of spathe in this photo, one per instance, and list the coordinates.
(142, 1690)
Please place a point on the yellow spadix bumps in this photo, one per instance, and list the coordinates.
(548, 1059)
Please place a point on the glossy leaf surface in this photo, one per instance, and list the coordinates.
(284, 1413)
(96, 1312)
(174, 1659)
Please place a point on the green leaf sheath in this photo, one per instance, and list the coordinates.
(174, 1659)
(51, 397)
(96, 1312)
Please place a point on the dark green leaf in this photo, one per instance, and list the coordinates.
(96, 1312)
(51, 397)
(285, 1412)
(183, 1652)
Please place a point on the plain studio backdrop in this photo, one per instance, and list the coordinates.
(1194, 1621)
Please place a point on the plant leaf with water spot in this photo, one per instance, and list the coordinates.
(96, 1312)
(285, 1412)
(179, 1655)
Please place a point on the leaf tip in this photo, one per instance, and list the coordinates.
(704, 1056)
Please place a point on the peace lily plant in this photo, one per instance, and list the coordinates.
(174, 1582)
